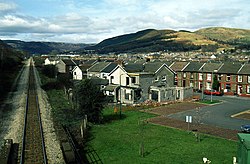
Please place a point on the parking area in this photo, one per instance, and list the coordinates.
(214, 120)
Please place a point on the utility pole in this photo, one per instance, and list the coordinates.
(211, 86)
(120, 95)
(202, 89)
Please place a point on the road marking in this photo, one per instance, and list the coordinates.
(237, 114)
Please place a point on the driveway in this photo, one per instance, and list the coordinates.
(220, 115)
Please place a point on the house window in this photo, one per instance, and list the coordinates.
(209, 76)
(228, 87)
(184, 75)
(209, 85)
(127, 93)
(175, 80)
(163, 78)
(191, 75)
(228, 77)
(111, 79)
(248, 79)
(248, 89)
(191, 84)
(133, 80)
(74, 73)
(200, 76)
(219, 77)
(239, 78)
(157, 78)
(127, 80)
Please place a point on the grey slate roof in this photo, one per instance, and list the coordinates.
(210, 67)
(245, 70)
(69, 62)
(90, 62)
(109, 68)
(98, 67)
(152, 67)
(230, 68)
(178, 66)
(84, 67)
(132, 68)
(193, 67)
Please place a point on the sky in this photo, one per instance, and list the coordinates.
(91, 21)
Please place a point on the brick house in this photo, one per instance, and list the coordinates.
(243, 81)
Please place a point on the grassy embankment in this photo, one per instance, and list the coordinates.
(119, 141)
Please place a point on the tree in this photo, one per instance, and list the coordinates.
(216, 83)
(88, 100)
(49, 70)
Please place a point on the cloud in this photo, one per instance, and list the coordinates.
(4, 7)
(95, 20)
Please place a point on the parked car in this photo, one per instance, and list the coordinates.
(245, 128)
(213, 92)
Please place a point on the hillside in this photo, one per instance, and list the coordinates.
(150, 40)
(10, 64)
(44, 47)
(9, 54)
(231, 36)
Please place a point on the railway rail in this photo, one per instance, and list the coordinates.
(33, 147)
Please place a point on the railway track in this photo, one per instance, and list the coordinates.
(33, 147)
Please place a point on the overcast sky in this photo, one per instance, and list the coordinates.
(91, 21)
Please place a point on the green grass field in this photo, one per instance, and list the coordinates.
(118, 141)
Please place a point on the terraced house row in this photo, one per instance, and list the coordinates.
(234, 78)
(160, 81)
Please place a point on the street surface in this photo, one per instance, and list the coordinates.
(220, 114)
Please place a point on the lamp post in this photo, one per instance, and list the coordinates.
(211, 87)
(202, 89)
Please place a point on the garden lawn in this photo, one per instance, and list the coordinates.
(118, 141)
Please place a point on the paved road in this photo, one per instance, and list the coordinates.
(220, 114)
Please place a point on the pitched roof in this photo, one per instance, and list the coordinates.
(245, 69)
(78, 62)
(230, 68)
(90, 62)
(210, 67)
(193, 67)
(178, 66)
(69, 62)
(84, 67)
(132, 68)
(109, 68)
(152, 66)
(98, 67)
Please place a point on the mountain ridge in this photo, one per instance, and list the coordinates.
(150, 40)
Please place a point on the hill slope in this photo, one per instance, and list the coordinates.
(210, 39)
(44, 47)
(231, 36)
